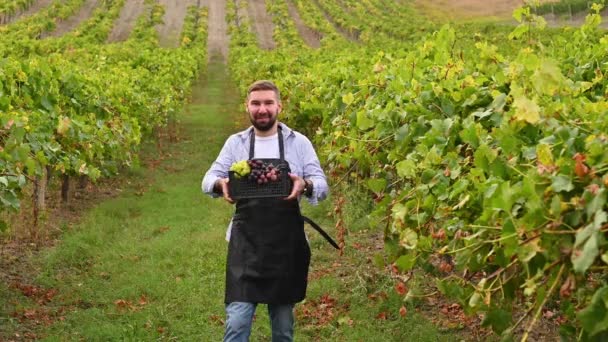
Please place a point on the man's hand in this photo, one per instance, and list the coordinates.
(298, 186)
(222, 185)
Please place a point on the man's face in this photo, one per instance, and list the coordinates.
(263, 108)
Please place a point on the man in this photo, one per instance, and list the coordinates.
(268, 254)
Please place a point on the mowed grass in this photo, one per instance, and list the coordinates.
(149, 264)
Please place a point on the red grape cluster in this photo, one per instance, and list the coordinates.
(262, 172)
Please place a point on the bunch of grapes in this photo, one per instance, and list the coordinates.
(241, 168)
(262, 172)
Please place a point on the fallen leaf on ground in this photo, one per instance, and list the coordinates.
(403, 311)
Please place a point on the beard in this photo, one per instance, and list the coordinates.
(264, 126)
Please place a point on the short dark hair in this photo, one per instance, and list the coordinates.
(264, 85)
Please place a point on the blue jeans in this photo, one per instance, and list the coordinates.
(239, 316)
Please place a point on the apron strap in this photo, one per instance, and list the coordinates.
(321, 231)
(281, 146)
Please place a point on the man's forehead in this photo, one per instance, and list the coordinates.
(262, 95)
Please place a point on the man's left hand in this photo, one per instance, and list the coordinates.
(298, 186)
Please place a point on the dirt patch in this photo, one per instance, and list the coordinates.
(72, 22)
(310, 36)
(467, 9)
(347, 35)
(35, 7)
(262, 24)
(460, 9)
(501, 9)
(575, 20)
(217, 39)
(126, 21)
(173, 21)
(242, 15)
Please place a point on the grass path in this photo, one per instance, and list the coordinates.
(149, 264)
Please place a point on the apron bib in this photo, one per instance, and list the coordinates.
(268, 255)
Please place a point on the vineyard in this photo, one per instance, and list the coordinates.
(478, 149)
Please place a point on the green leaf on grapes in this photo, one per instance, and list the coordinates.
(498, 319)
(408, 239)
(597, 203)
(499, 102)
(30, 164)
(529, 250)
(509, 239)
(518, 13)
(586, 245)
(8, 199)
(583, 258)
(376, 184)
(363, 122)
(529, 60)
(556, 206)
(402, 132)
(594, 318)
(406, 262)
(562, 183)
(46, 103)
(502, 198)
(406, 168)
(451, 289)
(399, 211)
(470, 134)
(518, 32)
(484, 156)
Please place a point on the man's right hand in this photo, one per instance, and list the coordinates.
(222, 185)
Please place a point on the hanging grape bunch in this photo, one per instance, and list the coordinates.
(262, 172)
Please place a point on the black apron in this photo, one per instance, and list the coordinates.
(268, 255)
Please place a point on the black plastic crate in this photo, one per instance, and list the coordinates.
(241, 188)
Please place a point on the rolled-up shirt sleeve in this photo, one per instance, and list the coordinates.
(313, 172)
(219, 168)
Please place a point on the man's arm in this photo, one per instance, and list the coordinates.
(215, 182)
(316, 188)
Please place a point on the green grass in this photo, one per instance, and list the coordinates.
(149, 264)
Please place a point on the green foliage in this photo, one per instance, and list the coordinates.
(84, 111)
(487, 153)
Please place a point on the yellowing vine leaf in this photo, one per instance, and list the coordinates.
(348, 98)
(63, 126)
(548, 78)
(526, 110)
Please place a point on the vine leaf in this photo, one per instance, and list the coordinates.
(406, 262)
(586, 246)
(498, 319)
(376, 185)
(348, 98)
(406, 168)
(594, 318)
(562, 183)
(548, 78)
(526, 110)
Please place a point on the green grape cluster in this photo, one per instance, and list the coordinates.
(241, 168)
